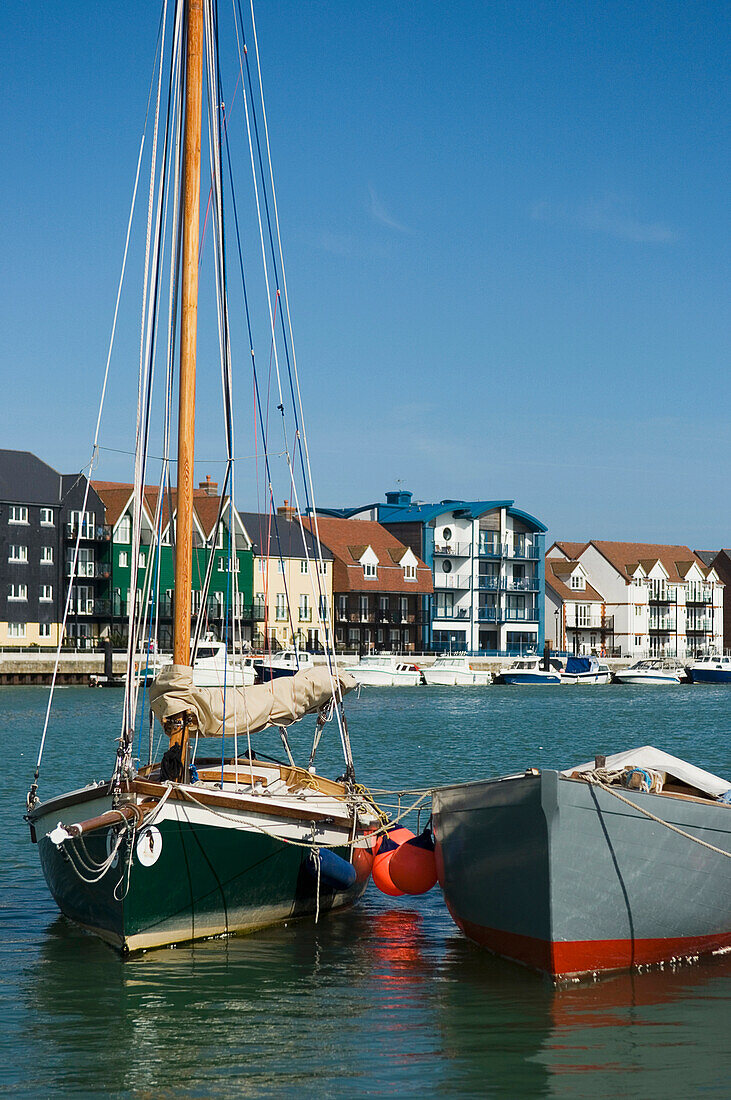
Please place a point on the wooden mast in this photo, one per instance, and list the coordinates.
(188, 334)
(188, 331)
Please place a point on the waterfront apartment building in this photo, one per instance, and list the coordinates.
(42, 514)
(720, 562)
(487, 563)
(379, 586)
(640, 599)
(292, 585)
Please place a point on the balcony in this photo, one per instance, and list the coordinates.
(89, 532)
(695, 596)
(304, 615)
(453, 580)
(453, 549)
(521, 584)
(451, 613)
(492, 548)
(698, 626)
(590, 622)
(488, 584)
(489, 614)
(520, 614)
(81, 607)
(661, 595)
(525, 551)
(661, 623)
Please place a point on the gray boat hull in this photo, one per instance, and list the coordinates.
(565, 878)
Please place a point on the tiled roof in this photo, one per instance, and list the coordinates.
(571, 549)
(275, 535)
(677, 560)
(340, 536)
(554, 569)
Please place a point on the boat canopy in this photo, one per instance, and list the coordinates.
(581, 664)
(657, 760)
(250, 709)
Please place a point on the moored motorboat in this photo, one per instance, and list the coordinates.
(653, 670)
(614, 864)
(456, 671)
(585, 670)
(529, 671)
(285, 663)
(386, 671)
(711, 670)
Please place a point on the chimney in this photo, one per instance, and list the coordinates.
(287, 510)
(210, 488)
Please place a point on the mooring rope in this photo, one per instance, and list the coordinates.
(594, 781)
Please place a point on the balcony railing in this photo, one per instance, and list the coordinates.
(492, 548)
(450, 613)
(661, 595)
(526, 551)
(488, 584)
(304, 614)
(661, 623)
(521, 614)
(453, 580)
(453, 549)
(696, 596)
(698, 626)
(90, 532)
(489, 614)
(521, 584)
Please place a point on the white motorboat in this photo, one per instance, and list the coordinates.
(456, 671)
(385, 671)
(653, 670)
(528, 671)
(285, 663)
(585, 670)
(713, 669)
(214, 667)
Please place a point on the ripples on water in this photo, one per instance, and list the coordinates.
(385, 999)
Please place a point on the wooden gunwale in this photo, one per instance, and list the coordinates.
(239, 802)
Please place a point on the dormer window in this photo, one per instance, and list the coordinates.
(578, 581)
(410, 572)
(370, 570)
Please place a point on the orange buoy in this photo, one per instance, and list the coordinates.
(412, 868)
(381, 873)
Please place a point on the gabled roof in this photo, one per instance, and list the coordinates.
(556, 570)
(676, 560)
(26, 479)
(344, 538)
(572, 550)
(274, 536)
(116, 497)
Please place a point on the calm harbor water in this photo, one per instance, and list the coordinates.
(385, 999)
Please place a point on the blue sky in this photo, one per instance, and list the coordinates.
(507, 243)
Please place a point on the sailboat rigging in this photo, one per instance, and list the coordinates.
(188, 847)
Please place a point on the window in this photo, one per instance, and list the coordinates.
(18, 513)
(17, 553)
(123, 559)
(304, 609)
(280, 566)
(638, 640)
(370, 570)
(18, 592)
(342, 607)
(46, 592)
(404, 606)
(142, 560)
(46, 555)
(46, 519)
(363, 606)
(447, 534)
(195, 601)
(124, 530)
(281, 608)
(304, 566)
(262, 565)
(578, 581)
(410, 572)
(583, 614)
(323, 608)
(86, 521)
(446, 566)
(44, 630)
(323, 567)
(638, 610)
(16, 630)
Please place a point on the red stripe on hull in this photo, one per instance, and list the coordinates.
(561, 959)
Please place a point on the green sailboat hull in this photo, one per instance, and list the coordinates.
(206, 880)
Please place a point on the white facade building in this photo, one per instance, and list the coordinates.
(658, 600)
